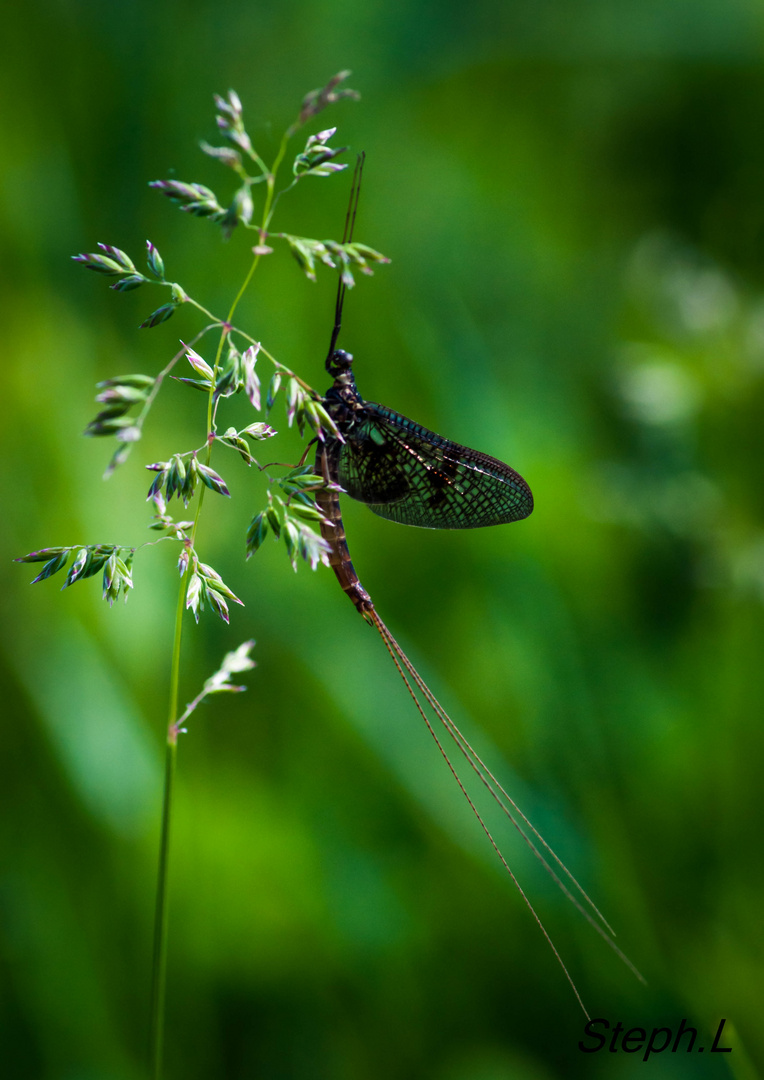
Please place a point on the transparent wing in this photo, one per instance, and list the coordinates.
(414, 476)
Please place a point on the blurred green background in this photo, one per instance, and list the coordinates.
(572, 195)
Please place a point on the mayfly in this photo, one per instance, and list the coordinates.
(408, 474)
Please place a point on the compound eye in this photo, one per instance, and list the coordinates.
(342, 359)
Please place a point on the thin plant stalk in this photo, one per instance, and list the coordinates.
(161, 911)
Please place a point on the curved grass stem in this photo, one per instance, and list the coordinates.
(161, 910)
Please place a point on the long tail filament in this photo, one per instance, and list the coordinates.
(578, 897)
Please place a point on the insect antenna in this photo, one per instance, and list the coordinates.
(347, 236)
(527, 831)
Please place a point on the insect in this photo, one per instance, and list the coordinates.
(408, 474)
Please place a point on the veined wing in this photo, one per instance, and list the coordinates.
(414, 476)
